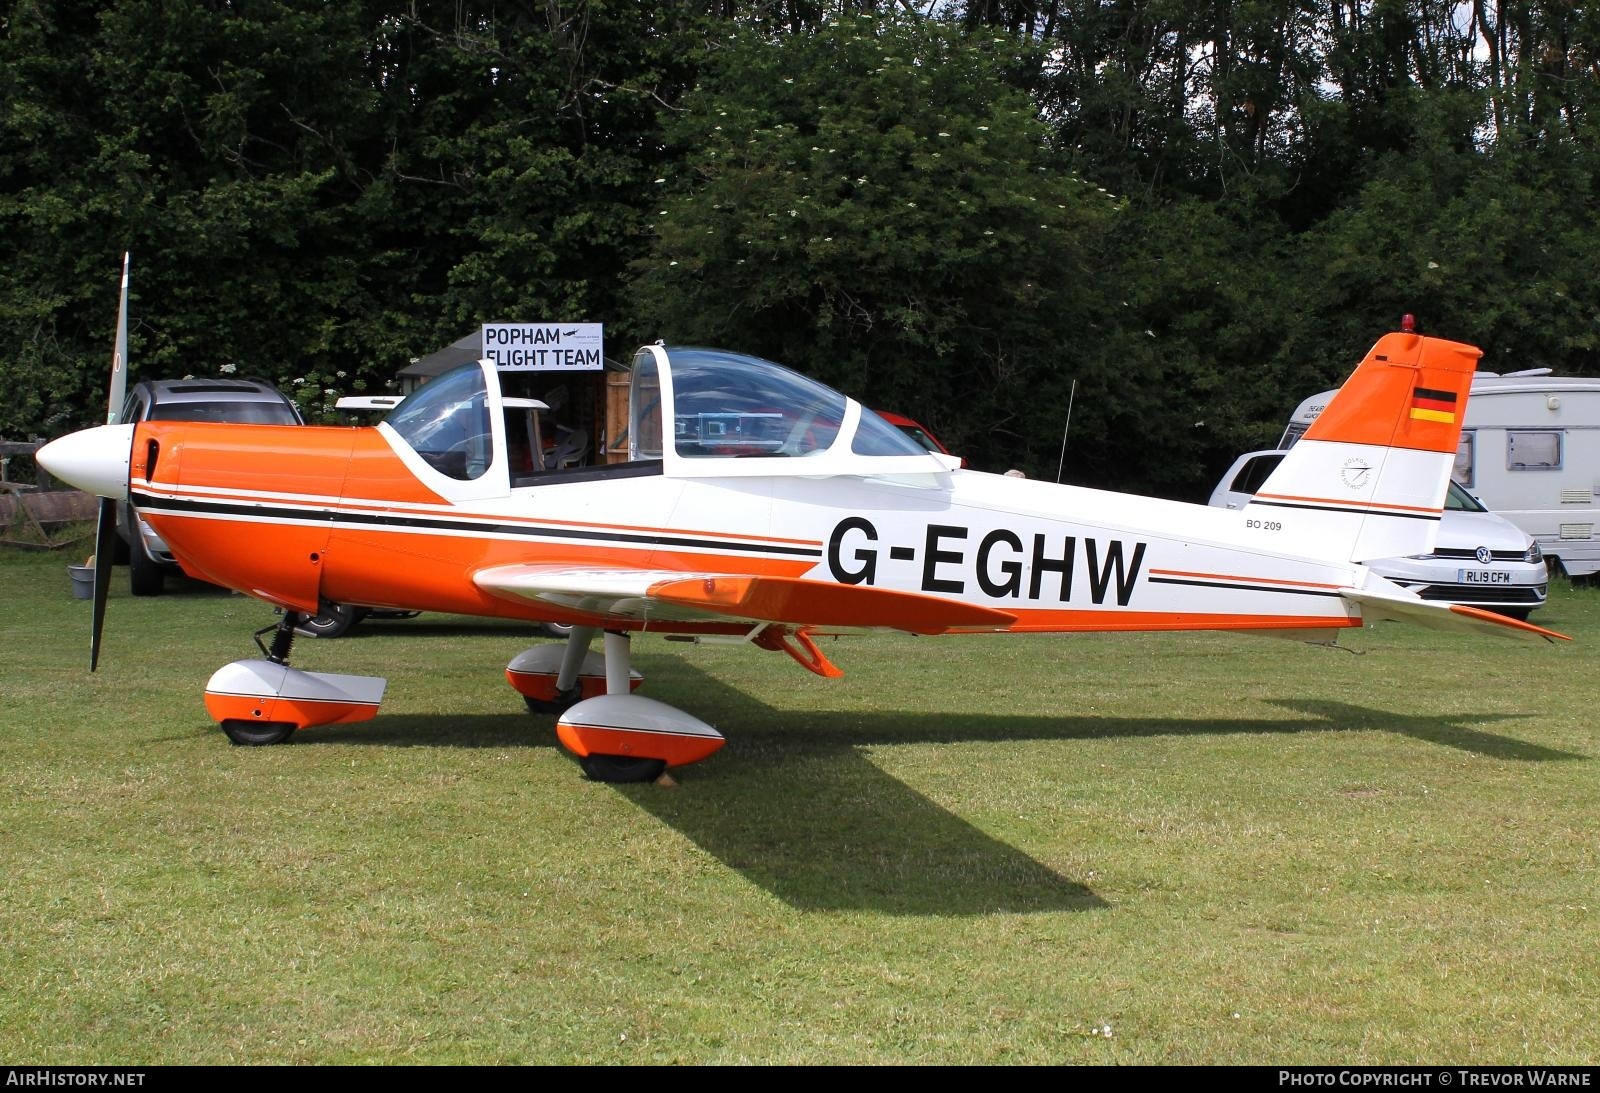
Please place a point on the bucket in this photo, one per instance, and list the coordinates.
(82, 581)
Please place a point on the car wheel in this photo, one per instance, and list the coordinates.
(334, 620)
(145, 577)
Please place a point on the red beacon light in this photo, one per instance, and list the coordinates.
(1408, 324)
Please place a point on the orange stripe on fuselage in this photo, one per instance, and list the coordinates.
(1347, 504)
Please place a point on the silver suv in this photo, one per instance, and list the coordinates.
(221, 399)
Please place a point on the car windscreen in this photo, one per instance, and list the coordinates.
(242, 413)
(1457, 499)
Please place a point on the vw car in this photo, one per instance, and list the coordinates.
(1480, 559)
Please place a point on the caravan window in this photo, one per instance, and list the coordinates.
(1462, 471)
(1533, 450)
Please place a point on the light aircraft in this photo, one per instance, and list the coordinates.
(760, 504)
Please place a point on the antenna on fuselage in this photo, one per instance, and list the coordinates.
(1062, 465)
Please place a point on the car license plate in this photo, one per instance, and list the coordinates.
(1483, 576)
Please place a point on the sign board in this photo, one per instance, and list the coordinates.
(545, 347)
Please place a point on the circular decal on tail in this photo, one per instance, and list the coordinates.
(1356, 473)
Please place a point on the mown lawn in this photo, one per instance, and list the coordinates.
(1109, 848)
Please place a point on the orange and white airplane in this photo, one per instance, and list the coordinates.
(759, 503)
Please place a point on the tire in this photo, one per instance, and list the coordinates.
(257, 734)
(145, 576)
(556, 629)
(334, 620)
(558, 705)
(621, 768)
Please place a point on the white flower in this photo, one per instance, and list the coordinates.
(228, 369)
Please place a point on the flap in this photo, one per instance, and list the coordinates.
(699, 597)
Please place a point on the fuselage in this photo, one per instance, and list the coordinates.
(297, 516)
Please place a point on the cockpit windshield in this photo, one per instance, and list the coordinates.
(447, 423)
(729, 404)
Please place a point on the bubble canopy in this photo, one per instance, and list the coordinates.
(736, 415)
(704, 413)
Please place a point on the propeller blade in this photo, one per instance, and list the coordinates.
(105, 549)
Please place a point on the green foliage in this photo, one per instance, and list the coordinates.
(1483, 248)
(871, 204)
(310, 188)
(910, 208)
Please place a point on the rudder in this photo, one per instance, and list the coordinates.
(1368, 479)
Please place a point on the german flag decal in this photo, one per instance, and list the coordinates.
(1430, 405)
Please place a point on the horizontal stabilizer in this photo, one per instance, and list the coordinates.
(1377, 606)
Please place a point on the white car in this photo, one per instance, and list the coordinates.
(1481, 560)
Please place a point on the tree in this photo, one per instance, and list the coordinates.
(872, 204)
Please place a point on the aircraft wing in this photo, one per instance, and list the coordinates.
(1377, 605)
(675, 596)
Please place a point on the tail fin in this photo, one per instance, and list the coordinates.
(1368, 478)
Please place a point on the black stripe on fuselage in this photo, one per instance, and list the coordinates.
(1243, 587)
(1342, 508)
(181, 505)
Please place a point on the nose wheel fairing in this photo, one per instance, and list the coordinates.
(265, 692)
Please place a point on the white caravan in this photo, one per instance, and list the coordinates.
(1530, 450)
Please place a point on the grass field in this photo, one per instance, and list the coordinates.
(1108, 848)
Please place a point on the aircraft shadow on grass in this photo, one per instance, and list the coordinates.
(796, 804)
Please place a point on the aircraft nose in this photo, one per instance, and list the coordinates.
(94, 460)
